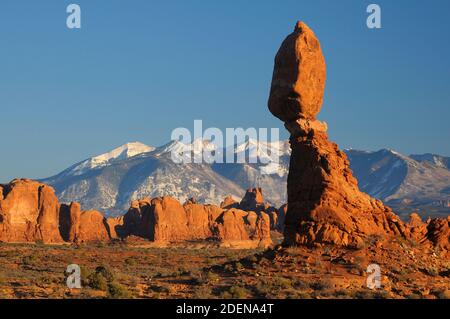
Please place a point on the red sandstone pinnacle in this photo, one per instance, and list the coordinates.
(253, 200)
(325, 204)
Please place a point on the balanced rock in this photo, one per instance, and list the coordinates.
(324, 201)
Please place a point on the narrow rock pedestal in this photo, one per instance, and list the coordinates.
(325, 204)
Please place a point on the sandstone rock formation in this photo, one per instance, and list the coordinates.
(228, 203)
(79, 226)
(69, 221)
(170, 220)
(200, 220)
(29, 212)
(239, 228)
(164, 220)
(438, 232)
(324, 202)
(91, 228)
(115, 227)
(281, 217)
(253, 200)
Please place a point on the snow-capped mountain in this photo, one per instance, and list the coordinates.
(438, 160)
(109, 182)
(120, 153)
(406, 183)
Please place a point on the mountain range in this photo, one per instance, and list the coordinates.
(109, 182)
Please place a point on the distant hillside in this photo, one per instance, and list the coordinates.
(109, 182)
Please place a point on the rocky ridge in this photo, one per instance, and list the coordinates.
(30, 212)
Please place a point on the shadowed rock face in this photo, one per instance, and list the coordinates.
(325, 204)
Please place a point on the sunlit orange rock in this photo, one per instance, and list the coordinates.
(29, 212)
(299, 75)
(325, 204)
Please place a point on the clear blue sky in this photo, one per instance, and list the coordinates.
(139, 68)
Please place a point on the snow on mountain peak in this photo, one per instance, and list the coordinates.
(120, 153)
(123, 152)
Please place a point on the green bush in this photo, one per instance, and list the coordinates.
(235, 292)
(117, 291)
(30, 260)
(99, 278)
(321, 285)
(105, 272)
(281, 282)
(97, 281)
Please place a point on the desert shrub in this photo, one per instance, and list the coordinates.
(369, 294)
(160, 289)
(131, 261)
(235, 292)
(228, 268)
(238, 266)
(413, 296)
(100, 278)
(30, 260)
(212, 277)
(303, 295)
(252, 259)
(431, 271)
(9, 254)
(300, 285)
(281, 282)
(343, 294)
(97, 281)
(117, 291)
(263, 289)
(181, 271)
(105, 272)
(321, 285)
(202, 278)
(203, 292)
(210, 261)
